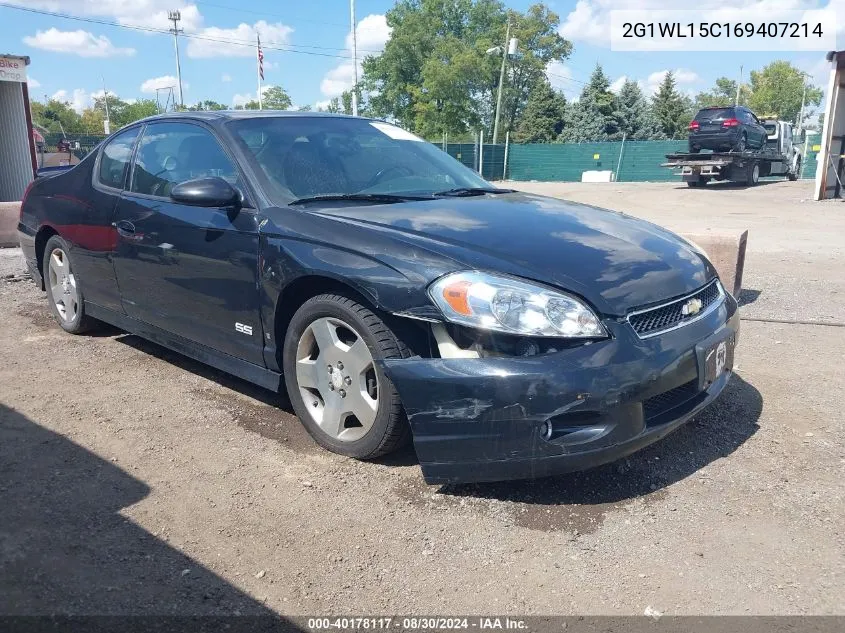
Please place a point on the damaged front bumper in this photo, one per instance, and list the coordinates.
(492, 419)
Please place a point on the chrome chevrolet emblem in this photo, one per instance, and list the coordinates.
(693, 306)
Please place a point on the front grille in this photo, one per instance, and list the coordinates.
(668, 400)
(669, 315)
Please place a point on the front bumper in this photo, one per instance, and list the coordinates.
(484, 419)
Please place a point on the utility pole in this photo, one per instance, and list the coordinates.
(803, 97)
(354, 59)
(107, 121)
(501, 81)
(175, 16)
(738, 87)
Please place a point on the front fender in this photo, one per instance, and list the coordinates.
(285, 261)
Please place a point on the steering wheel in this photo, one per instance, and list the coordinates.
(381, 173)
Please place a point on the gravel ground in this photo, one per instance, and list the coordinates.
(133, 480)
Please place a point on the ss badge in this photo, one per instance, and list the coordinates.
(243, 329)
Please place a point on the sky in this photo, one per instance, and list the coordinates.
(115, 43)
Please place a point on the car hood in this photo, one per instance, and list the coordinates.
(615, 261)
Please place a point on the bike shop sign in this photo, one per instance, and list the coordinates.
(12, 69)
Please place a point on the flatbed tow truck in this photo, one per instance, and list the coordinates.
(780, 156)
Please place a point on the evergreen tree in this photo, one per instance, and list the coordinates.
(636, 120)
(671, 109)
(542, 119)
(594, 117)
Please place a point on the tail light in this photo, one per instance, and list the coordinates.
(730, 123)
(693, 125)
(25, 194)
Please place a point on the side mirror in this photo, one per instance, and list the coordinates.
(206, 192)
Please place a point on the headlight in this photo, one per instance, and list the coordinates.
(504, 304)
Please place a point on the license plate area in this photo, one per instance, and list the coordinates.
(715, 357)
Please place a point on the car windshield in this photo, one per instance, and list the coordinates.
(303, 157)
(715, 114)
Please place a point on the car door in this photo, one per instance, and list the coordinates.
(189, 270)
(758, 131)
(81, 210)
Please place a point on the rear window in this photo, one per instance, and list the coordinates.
(715, 114)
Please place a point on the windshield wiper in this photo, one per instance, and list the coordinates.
(362, 197)
(472, 191)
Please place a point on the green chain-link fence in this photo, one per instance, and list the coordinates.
(636, 161)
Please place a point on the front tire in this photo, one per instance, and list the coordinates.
(64, 288)
(335, 382)
(793, 175)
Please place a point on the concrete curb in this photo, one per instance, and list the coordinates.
(727, 253)
(9, 214)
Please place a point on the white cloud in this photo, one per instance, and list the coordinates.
(144, 13)
(165, 81)
(616, 85)
(322, 105)
(682, 76)
(79, 99)
(276, 34)
(79, 42)
(226, 78)
(372, 34)
(559, 75)
(589, 21)
(32, 82)
(242, 99)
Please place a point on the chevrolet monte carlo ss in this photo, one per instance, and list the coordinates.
(395, 293)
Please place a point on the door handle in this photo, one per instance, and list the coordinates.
(124, 228)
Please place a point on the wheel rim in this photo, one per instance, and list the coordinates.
(63, 287)
(336, 378)
(742, 143)
(755, 173)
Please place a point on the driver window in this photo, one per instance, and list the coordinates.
(170, 153)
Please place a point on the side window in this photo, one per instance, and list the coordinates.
(170, 153)
(114, 161)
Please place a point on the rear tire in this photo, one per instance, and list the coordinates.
(64, 288)
(742, 143)
(753, 176)
(694, 149)
(335, 382)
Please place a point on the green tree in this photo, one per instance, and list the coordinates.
(435, 74)
(671, 109)
(776, 91)
(636, 120)
(208, 104)
(542, 119)
(125, 112)
(56, 116)
(595, 116)
(274, 98)
(722, 94)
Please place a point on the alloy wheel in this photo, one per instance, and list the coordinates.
(63, 287)
(336, 377)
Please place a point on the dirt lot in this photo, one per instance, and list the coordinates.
(133, 480)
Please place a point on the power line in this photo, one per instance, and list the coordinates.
(289, 48)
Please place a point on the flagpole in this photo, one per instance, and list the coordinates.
(258, 68)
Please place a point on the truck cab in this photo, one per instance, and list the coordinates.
(783, 139)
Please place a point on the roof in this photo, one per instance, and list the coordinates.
(25, 58)
(219, 115)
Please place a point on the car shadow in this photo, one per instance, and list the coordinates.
(731, 184)
(223, 379)
(65, 549)
(715, 433)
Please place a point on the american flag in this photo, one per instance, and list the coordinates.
(260, 58)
